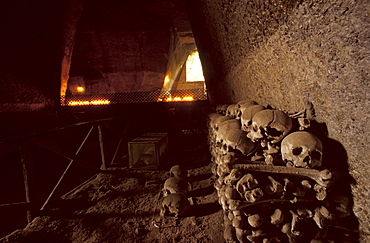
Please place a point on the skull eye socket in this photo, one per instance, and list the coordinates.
(297, 151)
(273, 132)
(316, 155)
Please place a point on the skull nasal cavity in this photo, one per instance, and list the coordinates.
(273, 132)
(297, 151)
(307, 159)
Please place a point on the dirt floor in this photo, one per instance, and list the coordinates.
(122, 205)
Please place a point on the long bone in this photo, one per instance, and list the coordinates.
(322, 177)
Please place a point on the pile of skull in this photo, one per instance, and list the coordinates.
(271, 181)
(175, 202)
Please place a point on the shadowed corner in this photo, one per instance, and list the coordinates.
(201, 192)
(203, 209)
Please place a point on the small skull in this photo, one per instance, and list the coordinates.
(236, 139)
(231, 111)
(247, 116)
(247, 182)
(270, 125)
(253, 195)
(225, 127)
(211, 120)
(242, 105)
(174, 205)
(302, 149)
(218, 121)
(178, 171)
(175, 185)
(233, 177)
(221, 109)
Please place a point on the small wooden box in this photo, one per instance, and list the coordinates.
(148, 150)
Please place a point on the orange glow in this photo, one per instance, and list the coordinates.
(80, 89)
(88, 102)
(188, 98)
(176, 99)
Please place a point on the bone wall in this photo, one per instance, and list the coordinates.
(294, 55)
(273, 181)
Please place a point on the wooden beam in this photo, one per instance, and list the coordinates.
(103, 164)
(26, 206)
(66, 170)
(52, 146)
(27, 168)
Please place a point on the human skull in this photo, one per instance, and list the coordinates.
(221, 109)
(175, 185)
(218, 121)
(270, 125)
(233, 177)
(242, 105)
(174, 205)
(302, 149)
(178, 171)
(231, 111)
(223, 169)
(253, 195)
(247, 116)
(225, 127)
(236, 139)
(212, 118)
(247, 182)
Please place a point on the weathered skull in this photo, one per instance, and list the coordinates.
(302, 149)
(221, 109)
(212, 118)
(178, 171)
(218, 121)
(247, 116)
(233, 177)
(270, 125)
(174, 205)
(218, 109)
(223, 169)
(236, 139)
(225, 127)
(247, 182)
(175, 185)
(253, 195)
(231, 111)
(242, 105)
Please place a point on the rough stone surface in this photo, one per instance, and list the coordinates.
(293, 55)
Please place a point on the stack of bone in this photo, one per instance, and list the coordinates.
(271, 181)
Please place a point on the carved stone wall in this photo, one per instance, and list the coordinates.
(293, 55)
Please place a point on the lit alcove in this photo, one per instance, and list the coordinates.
(193, 66)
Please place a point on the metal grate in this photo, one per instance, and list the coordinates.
(134, 97)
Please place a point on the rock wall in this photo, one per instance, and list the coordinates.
(295, 55)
